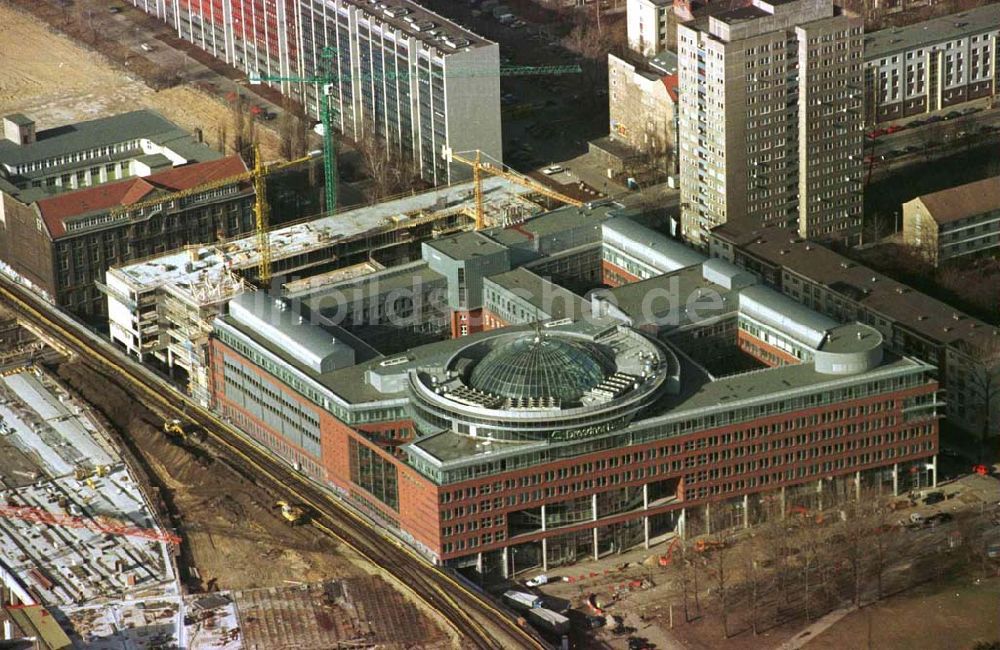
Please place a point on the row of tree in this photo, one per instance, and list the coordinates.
(796, 568)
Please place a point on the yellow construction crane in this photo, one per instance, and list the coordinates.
(261, 214)
(494, 168)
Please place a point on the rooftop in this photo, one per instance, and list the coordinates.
(19, 118)
(556, 301)
(930, 318)
(963, 201)
(212, 262)
(466, 245)
(56, 210)
(424, 25)
(82, 136)
(936, 30)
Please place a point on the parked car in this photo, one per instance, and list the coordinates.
(916, 518)
(894, 128)
(146, 47)
(936, 520)
(970, 111)
(933, 497)
(934, 118)
(538, 581)
(553, 169)
(952, 115)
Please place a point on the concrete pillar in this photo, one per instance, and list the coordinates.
(819, 491)
(645, 520)
(708, 518)
(895, 479)
(682, 524)
(857, 485)
(543, 518)
(934, 471)
(596, 557)
(593, 506)
(479, 563)
(746, 511)
(545, 554)
(506, 562)
(784, 509)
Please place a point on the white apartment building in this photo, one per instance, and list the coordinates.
(957, 221)
(932, 65)
(398, 72)
(647, 25)
(770, 119)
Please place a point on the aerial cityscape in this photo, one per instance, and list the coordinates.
(500, 324)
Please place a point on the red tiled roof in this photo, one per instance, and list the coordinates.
(670, 81)
(57, 209)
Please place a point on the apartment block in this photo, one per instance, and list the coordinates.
(958, 221)
(398, 73)
(642, 107)
(964, 349)
(770, 119)
(932, 65)
(648, 25)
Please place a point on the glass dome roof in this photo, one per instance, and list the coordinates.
(541, 367)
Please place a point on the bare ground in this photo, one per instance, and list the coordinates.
(56, 81)
(234, 537)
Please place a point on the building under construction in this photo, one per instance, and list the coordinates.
(162, 307)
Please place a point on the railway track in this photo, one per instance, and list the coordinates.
(476, 621)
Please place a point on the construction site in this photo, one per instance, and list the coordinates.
(162, 307)
(114, 523)
(77, 529)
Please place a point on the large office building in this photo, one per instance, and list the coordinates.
(576, 426)
(77, 199)
(770, 119)
(939, 63)
(963, 220)
(965, 350)
(161, 307)
(398, 73)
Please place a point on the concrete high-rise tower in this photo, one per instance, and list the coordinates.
(770, 127)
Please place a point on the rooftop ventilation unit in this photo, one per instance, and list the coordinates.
(395, 12)
(456, 41)
(424, 26)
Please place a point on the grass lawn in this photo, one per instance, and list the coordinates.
(951, 616)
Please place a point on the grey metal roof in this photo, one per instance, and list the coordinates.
(726, 274)
(292, 331)
(551, 299)
(649, 246)
(784, 314)
(94, 133)
(945, 28)
(19, 118)
(466, 245)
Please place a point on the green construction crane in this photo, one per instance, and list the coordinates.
(327, 78)
(325, 82)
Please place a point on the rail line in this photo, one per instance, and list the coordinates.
(464, 610)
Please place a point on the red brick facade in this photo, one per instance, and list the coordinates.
(713, 465)
(614, 276)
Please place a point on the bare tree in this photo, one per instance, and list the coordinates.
(983, 381)
(754, 575)
(718, 562)
(389, 171)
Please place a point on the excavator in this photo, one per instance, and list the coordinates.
(178, 434)
(293, 515)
